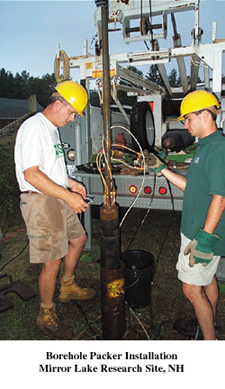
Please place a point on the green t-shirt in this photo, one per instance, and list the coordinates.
(205, 177)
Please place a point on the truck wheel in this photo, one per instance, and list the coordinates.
(142, 126)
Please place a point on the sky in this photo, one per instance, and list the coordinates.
(31, 30)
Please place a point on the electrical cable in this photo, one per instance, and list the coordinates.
(127, 164)
(138, 321)
(197, 332)
(122, 162)
(142, 184)
(127, 148)
(15, 232)
(16, 255)
(159, 254)
(143, 220)
(148, 210)
(198, 63)
(171, 194)
(111, 178)
(154, 269)
(84, 328)
(160, 251)
(106, 161)
(98, 164)
(132, 204)
(85, 317)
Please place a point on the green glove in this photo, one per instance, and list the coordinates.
(153, 163)
(201, 248)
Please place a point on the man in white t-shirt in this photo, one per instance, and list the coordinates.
(48, 207)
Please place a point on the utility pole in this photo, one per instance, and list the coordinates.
(112, 270)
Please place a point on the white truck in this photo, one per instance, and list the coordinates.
(157, 107)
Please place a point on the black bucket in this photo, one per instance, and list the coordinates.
(139, 273)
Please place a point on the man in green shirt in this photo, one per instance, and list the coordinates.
(203, 217)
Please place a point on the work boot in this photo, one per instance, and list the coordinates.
(71, 291)
(48, 322)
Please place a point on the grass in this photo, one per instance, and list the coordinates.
(159, 235)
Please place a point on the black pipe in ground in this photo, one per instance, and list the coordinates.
(112, 276)
(112, 272)
(113, 303)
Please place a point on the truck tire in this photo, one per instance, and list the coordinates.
(142, 126)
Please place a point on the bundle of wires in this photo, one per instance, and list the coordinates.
(142, 168)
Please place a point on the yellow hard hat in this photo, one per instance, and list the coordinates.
(74, 94)
(198, 100)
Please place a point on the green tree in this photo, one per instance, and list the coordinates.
(41, 87)
(154, 75)
(94, 98)
(135, 70)
(122, 95)
(22, 86)
(173, 78)
(9, 189)
(21, 82)
(7, 84)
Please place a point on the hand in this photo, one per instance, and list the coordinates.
(78, 187)
(201, 248)
(76, 202)
(153, 163)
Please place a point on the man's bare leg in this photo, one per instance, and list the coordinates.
(212, 293)
(72, 258)
(47, 281)
(47, 320)
(70, 290)
(204, 306)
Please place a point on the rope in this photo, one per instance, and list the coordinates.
(66, 67)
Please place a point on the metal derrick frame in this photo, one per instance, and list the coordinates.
(208, 55)
(124, 11)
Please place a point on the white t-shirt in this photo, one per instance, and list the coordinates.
(38, 144)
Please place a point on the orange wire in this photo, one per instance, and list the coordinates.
(6, 237)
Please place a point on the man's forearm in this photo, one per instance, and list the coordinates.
(44, 184)
(176, 179)
(214, 214)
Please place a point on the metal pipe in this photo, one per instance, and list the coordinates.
(148, 28)
(113, 303)
(180, 60)
(78, 150)
(110, 254)
(106, 101)
(110, 237)
(112, 272)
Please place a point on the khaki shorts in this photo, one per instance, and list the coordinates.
(198, 274)
(51, 224)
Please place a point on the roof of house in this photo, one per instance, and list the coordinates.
(13, 108)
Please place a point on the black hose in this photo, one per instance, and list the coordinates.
(16, 255)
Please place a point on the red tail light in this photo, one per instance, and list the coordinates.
(133, 189)
(147, 190)
(162, 190)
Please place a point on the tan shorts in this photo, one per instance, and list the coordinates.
(51, 224)
(198, 274)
